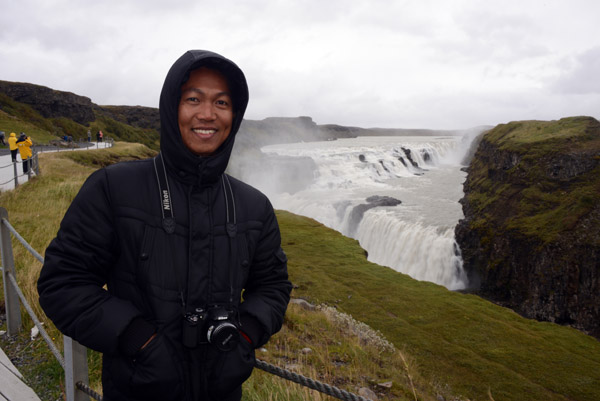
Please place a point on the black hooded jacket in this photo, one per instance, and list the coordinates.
(118, 232)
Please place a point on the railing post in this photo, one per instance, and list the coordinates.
(16, 174)
(76, 369)
(11, 297)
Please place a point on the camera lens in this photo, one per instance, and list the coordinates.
(224, 336)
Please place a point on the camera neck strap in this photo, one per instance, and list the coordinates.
(168, 217)
(231, 227)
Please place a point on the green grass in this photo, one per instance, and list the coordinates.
(10, 124)
(448, 344)
(460, 340)
(540, 137)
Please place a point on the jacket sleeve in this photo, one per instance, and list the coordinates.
(267, 291)
(75, 271)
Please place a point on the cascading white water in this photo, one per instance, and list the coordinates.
(354, 191)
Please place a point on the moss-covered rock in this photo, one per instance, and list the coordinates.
(530, 238)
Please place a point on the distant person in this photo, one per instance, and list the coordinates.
(24, 144)
(12, 145)
(101, 135)
(152, 257)
(98, 136)
(2, 138)
(89, 135)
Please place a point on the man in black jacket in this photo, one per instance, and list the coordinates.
(176, 241)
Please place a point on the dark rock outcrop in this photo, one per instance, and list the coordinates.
(530, 239)
(408, 155)
(358, 211)
(51, 103)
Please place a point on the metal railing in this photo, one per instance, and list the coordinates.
(33, 168)
(33, 161)
(74, 361)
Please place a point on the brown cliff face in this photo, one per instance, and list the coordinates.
(530, 239)
(51, 103)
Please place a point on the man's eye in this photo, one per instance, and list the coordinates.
(192, 99)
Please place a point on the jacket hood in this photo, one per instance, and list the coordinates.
(13, 134)
(186, 165)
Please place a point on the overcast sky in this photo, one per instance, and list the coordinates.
(387, 63)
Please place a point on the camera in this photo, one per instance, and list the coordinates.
(213, 325)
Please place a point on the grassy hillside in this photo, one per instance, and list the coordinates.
(446, 345)
(19, 117)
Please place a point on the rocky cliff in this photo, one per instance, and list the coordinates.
(51, 103)
(530, 239)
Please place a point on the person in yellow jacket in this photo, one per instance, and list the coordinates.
(12, 145)
(24, 144)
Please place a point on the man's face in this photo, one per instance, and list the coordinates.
(205, 111)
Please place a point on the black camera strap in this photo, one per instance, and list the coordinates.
(231, 228)
(168, 218)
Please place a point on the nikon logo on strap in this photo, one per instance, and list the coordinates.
(166, 200)
(168, 220)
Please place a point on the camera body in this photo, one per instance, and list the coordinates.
(215, 325)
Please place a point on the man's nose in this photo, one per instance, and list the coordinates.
(205, 111)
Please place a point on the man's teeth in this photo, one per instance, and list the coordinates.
(204, 131)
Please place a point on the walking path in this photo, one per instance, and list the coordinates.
(7, 173)
(12, 387)
(7, 169)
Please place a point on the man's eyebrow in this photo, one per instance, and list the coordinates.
(200, 91)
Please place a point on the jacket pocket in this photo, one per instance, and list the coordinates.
(161, 266)
(244, 262)
(231, 370)
(153, 374)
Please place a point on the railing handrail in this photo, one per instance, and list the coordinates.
(74, 365)
(33, 161)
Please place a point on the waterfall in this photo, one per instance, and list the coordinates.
(398, 196)
(423, 252)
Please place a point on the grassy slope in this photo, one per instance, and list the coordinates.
(456, 339)
(539, 205)
(458, 345)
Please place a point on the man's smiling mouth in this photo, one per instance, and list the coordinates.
(204, 131)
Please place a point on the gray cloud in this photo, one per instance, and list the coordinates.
(389, 63)
(582, 76)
